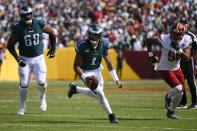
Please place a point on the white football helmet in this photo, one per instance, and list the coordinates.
(26, 15)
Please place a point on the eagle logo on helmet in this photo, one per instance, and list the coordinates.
(94, 35)
(26, 15)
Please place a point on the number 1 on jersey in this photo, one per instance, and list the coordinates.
(93, 61)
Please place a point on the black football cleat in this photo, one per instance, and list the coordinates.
(193, 106)
(170, 114)
(72, 90)
(112, 118)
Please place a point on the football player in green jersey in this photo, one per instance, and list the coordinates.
(87, 63)
(29, 34)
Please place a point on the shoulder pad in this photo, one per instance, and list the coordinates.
(106, 43)
(39, 18)
(41, 21)
(80, 45)
(14, 26)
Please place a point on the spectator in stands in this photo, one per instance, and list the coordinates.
(2, 51)
(120, 60)
(128, 16)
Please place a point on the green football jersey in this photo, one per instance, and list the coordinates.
(30, 40)
(91, 57)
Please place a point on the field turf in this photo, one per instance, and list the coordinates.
(139, 106)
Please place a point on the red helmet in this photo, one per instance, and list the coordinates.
(177, 31)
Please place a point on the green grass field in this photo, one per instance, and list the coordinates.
(139, 106)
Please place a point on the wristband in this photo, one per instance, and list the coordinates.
(83, 77)
(180, 51)
(114, 75)
(150, 54)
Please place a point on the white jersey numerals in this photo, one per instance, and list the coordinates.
(93, 61)
(31, 41)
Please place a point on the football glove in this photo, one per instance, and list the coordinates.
(175, 45)
(154, 60)
(20, 61)
(51, 53)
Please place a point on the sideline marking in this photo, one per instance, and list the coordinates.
(77, 116)
(99, 126)
(92, 108)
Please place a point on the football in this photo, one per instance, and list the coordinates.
(92, 82)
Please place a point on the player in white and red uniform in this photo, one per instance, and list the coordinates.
(175, 46)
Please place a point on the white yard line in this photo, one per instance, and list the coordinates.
(94, 108)
(130, 117)
(99, 126)
(7, 101)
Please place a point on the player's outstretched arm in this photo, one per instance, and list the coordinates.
(77, 63)
(149, 42)
(11, 48)
(112, 70)
(11, 45)
(52, 37)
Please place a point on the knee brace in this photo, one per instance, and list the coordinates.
(23, 85)
(42, 83)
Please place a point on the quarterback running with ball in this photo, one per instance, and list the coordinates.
(89, 53)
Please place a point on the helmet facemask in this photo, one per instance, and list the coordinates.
(94, 39)
(94, 35)
(26, 15)
(177, 31)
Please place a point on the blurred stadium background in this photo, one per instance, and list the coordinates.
(125, 22)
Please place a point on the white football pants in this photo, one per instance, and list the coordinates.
(98, 93)
(34, 65)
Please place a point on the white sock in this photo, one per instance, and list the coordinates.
(104, 102)
(86, 91)
(42, 90)
(176, 100)
(23, 92)
(173, 91)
